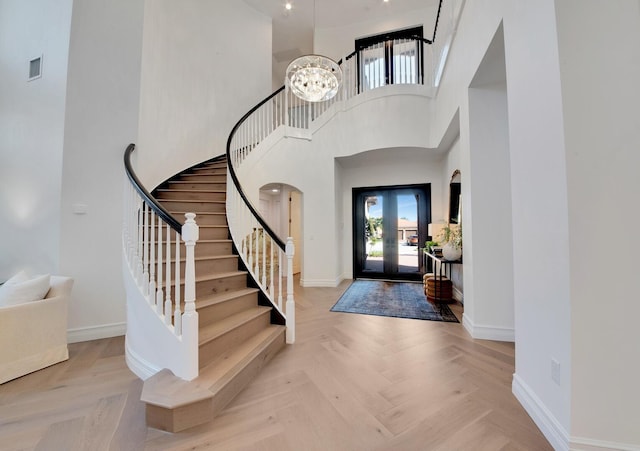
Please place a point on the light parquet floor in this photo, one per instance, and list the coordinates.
(351, 382)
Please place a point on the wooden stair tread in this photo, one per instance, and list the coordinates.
(195, 174)
(182, 190)
(180, 214)
(209, 257)
(166, 390)
(193, 182)
(228, 240)
(223, 369)
(214, 276)
(217, 275)
(204, 213)
(206, 301)
(169, 391)
(194, 201)
(219, 328)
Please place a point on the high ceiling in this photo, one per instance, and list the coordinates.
(293, 29)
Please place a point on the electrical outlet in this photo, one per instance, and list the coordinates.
(555, 371)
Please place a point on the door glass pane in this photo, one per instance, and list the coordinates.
(408, 233)
(373, 233)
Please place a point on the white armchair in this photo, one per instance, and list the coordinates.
(33, 335)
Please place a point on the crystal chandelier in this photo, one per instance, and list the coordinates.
(314, 78)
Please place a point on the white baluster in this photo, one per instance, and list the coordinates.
(280, 253)
(145, 251)
(167, 301)
(262, 119)
(152, 260)
(286, 107)
(129, 228)
(159, 292)
(250, 259)
(244, 248)
(177, 320)
(129, 223)
(291, 306)
(125, 215)
(139, 268)
(190, 235)
(264, 259)
(256, 269)
(271, 251)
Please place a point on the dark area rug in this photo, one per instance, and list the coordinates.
(397, 299)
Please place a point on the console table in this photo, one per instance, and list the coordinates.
(440, 295)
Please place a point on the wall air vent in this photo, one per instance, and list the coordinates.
(35, 68)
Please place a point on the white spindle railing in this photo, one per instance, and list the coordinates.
(413, 64)
(152, 250)
(263, 253)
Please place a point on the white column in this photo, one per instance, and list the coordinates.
(190, 235)
(291, 306)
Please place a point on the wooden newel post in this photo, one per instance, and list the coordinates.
(190, 234)
(291, 305)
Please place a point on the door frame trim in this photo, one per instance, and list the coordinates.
(357, 262)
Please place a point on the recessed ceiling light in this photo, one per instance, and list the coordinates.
(275, 190)
(288, 6)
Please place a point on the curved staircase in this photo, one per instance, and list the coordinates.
(236, 334)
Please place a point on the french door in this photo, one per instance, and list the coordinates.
(389, 228)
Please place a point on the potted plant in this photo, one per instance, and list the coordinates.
(429, 245)
(451, 236)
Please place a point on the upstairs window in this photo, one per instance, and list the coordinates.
(391, 58)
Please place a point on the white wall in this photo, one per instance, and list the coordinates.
(538, 190)
(451, 163)
(386, 167)
(491, 314)
(539, 198)
(362, 124)
(600, 98)
(101, 119)
(205, 64)
(31, 133)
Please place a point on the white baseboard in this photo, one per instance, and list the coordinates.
(139, 366)
(96, 332)
(488, 332)
(458, 295)
(587, 444)
(332, 283)
(542, 417)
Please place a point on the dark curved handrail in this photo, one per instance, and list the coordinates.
(281, 244)
(435, 27)
(151, 201)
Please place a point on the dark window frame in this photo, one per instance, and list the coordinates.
(387, 38)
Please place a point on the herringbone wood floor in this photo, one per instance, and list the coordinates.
(351, 382)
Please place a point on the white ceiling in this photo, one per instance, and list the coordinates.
(293, 30)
